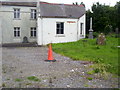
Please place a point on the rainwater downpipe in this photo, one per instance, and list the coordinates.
(78, 29)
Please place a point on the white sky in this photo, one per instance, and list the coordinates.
(88, 3)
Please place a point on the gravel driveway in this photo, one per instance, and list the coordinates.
(19, 63)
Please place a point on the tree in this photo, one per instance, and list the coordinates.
(103, 17)
(117, 11)
(82, 4)
(76, 3)
(88, 15)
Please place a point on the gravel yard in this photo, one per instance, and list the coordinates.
(21, 65)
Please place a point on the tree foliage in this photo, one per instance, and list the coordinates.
(117, 10)
(105, 18)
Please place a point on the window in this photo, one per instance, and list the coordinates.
(33, 32)
(81, 28)
(60, 28)
(16, 31)
(33, 14)
(17, 13)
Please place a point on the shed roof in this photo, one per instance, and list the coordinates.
(52, 9)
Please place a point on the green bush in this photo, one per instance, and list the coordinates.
(95, 34)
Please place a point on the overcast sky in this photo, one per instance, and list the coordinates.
(88, 3)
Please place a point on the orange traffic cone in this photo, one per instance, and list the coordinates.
(50, 55)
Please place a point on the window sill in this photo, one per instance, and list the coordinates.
(32, 19)
(81, 35)
(16, 19)
(33, 37)
(17, 37)
(60, 35)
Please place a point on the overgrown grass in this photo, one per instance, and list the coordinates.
(87, 49)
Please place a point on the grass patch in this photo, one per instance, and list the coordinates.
(28, 83)
(89, 78)
(86, 49)
(33, 78)
(8, 79)
(18, 80)
(3, 85)
(91, 72)
(86, 85)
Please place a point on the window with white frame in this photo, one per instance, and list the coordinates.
(33, 14)
(33, 32)
(16, 31)
(60, 28)
(16, 13)
(81, 28)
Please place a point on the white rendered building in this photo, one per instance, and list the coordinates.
(41, 22)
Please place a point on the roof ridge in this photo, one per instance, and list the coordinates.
(61, 4)
(5, 2)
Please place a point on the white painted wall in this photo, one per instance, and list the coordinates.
(82, 20)
(47, 30)
(8, 24)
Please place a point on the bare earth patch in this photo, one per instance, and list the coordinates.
(25, 67)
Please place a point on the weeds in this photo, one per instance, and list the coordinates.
(90, 72)
(102, 69)
(18, 80)
(8, 79)
(33, 78)
(89, 78)
(3, 85)
(28, 83)
(86, 85)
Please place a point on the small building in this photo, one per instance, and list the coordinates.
(41, 22)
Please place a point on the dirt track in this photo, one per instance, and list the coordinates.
(21, 63)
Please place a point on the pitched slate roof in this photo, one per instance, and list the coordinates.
(53, 10)
(61, 10)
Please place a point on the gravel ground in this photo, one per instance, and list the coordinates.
(22, 62)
